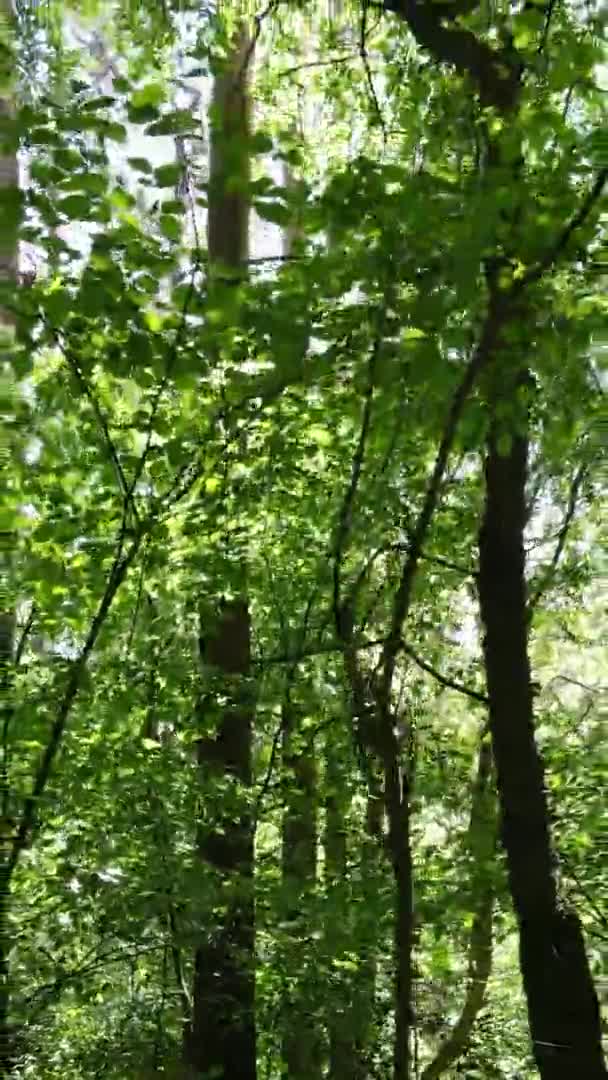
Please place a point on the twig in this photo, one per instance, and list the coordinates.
(343, 59)
(459, 568)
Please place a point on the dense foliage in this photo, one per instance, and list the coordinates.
(264, 497)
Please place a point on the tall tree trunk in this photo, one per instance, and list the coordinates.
(374, 720)
(6, 707)
(399, 837)
(9, 181)
(351, 926)
(562, 1004)
(221, 1039)
(342, 1051)
(301, 1038)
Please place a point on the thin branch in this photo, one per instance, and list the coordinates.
(577, 682)
(562, 536)
(496, 315)
(25, 634)
(27, 821)
(459, 568)
(597, 912)
(314, 651)
(342, 59)
(281, 726)
(258, 21)
(102, 422)
(55, 987)
(136, 610)
(577, 219)
(261, 259)
(367, 69)
(169, 364)
(346, 510)
(444, 680)
(545, 34)
(178, 969)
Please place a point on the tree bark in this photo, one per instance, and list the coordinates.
(220, 1041)
(399, 819)
(374, 719)
(9, 181)
(6, 663)
(562, 1004)
(349, 928)
(301, 1037)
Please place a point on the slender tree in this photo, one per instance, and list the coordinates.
(351, 886)
(9, 180)
(562, 1004)
(301, 1038)
(220, 1040)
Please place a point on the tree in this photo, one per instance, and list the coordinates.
(221, 1037)
(294, 455)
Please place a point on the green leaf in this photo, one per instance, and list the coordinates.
(75, 207)
(168, 175)
(177, 122)
(140, 165)
(142, 114)
(275, 212)
(170, 227)
(153, 93)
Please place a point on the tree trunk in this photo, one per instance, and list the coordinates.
(375, 722)
(220, 1042)
(301, 1038)
(6, 662)
(9, 181)
(398, 813)
(351, 928)
(342, 1050)
(562, 1004)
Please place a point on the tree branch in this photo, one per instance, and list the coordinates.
(496, 315)
(28, 816)
(577, 219)
(444, 680)
(562, 536)
(341, 611)
(496, 72)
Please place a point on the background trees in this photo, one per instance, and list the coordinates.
(371, 467)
